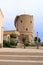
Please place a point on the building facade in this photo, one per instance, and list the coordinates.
(1, 28)
(25, 25)
(7, 34)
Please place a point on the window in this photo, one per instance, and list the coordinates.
(26, 29)
(21, 21)
(30, 21)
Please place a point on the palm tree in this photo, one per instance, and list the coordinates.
(37, 39)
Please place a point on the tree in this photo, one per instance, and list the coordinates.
(37, 41)
(13, 36)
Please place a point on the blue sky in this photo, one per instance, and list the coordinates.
(11, 8)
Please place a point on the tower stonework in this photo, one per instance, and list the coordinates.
(25, 25)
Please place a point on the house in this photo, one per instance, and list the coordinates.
(7, 34)
(1, 28)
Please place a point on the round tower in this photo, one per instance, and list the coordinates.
(25, 25)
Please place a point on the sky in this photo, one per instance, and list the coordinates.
(12, 8)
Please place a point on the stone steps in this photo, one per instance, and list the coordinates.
(20, 62)
(21, 53)
(21, 57)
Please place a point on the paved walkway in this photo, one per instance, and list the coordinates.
(31, 49)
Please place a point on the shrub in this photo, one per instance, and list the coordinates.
(9, 44)
(33, 44)
(6, 43)
(41, 44)
(29, 44)
(13, 35)
(13, 43)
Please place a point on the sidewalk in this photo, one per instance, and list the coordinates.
(29, 49)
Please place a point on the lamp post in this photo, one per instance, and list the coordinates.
(37, 36)
(37, 41)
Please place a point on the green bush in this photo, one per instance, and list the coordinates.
(29, 44)
(9, 44)
(6, 43)
(13, 35)
(13, 43)
(26, 44)
(33, 44)
(41, 44)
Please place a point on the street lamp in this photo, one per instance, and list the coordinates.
(37, 41)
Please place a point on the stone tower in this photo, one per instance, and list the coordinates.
(24, 24)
